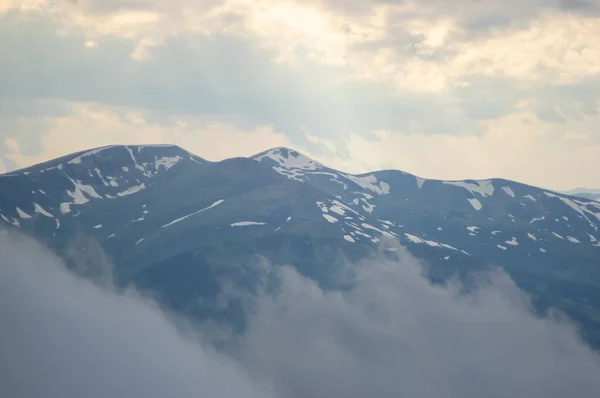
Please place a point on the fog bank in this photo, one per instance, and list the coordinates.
(393, 334)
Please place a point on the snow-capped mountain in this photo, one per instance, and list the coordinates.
(505, 212)
(168, 218)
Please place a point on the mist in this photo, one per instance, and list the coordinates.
(392, 334)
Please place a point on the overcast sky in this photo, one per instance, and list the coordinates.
(442, 89)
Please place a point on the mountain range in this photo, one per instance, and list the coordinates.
(182, 226)
(585, 193)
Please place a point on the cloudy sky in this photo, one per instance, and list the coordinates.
(442, 89)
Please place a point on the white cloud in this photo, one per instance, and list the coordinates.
(22, 5)
(518, 147)
(94, 125)
(329, 145)
(12, 144)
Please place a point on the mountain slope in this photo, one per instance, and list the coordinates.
(180, 225)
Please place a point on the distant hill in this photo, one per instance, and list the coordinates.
(585, 193)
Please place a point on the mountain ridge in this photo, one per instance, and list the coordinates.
(167, 217)
(90, 151)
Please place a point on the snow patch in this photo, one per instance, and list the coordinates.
(215, 204)
(512, 242)
(340, 208)
(78, 193)
(22, 214)
(482, 187)
(99, 174)
(413, 238)
(531, 236)
(530, 198)
(368, 207)
(290, 159)
(557, 235)
(473, 228)
(370, 182)
(420, 181)
(98, 226)
(132, 190)
(246, 223)
(349, 238)
(137, 166)
(78, 159)
(475, 203)
(369, 226)
(416, 239)
(112, 182)
(509, 191)
(166, 162)
(330, 218)
(581, 209)
(501, 247)
(13, 222)
(40, 210)
(573, 240)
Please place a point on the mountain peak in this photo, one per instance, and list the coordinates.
(160, 154)
(156, 149)
(287, 158)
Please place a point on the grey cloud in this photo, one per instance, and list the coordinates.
(111, 6)
(394, 334)
(478, 17)
(6, 164)
(25, 107)
(390, 334)
(65, 337)
(27, 132)
(220, 76)
(581, 6)
(562, 103)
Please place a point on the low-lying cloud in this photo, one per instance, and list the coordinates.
(393, 334)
